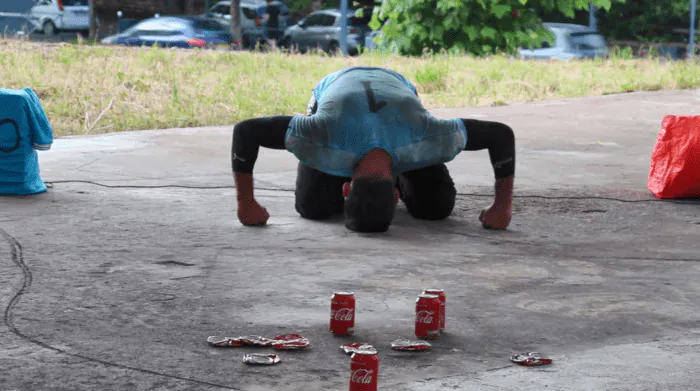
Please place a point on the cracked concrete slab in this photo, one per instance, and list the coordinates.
(120, 287)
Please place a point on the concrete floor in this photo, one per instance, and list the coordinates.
(120, 287)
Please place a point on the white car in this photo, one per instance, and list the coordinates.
(53, 16)
(572, 41)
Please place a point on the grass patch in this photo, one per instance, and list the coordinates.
(88, 89)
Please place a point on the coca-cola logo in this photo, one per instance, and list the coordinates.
(425, 317)
(342, 314)
(362, 376)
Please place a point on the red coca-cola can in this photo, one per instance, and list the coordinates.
(342, 313)
(441, 295)
(427, 316)
(364, 370)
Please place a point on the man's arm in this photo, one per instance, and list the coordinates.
(499, 139)
(248, 137)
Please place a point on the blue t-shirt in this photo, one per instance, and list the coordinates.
(363, 108)
(24, 129)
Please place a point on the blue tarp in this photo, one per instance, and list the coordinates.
(24, 129)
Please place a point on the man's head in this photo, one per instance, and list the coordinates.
(371, 197)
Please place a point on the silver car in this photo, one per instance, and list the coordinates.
(52, 16)
(321, 30)
(252, 21)
(572, 41)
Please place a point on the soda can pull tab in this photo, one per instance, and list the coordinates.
(530, 359)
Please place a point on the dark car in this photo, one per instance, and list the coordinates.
(174, 31)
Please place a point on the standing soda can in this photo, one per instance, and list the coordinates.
(342, 313)
(441, 295)
(427, 316)
(364, 370)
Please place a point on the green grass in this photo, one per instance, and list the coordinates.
(87, 89)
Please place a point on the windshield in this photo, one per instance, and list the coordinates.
(70, 3)
(208, 25)
(587, 41)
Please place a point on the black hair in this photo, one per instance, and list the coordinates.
(370, 205)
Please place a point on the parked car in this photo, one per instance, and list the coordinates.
(571, 41)
(371, 42)
(321, 29)
(252, 22)
(174, 31)
(53, 16)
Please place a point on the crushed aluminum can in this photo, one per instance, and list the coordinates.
(220, 341)
(354, 347)
(530, 359)
(255, 340)
(408, 345)
(261, 359)
(290, 342)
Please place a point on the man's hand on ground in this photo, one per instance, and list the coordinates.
(250, 213)
(496, 217)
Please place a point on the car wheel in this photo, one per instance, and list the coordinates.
(333, 48)
(284, 42)
(48, 28)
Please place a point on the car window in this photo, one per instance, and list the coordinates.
(328, 20)
(314, 20)
(249, 12)
(156, 32)
(543, 45)
(587, 41)
(160, 27)
(75, 2)
(222, 9)
(207, 25)
(359, 22)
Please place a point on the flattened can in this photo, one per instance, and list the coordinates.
(342, 313)
(364, 370)
(443, 299)
(427, 316)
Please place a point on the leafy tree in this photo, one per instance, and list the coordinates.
(478, 27)
(647, 20)
(639, 20)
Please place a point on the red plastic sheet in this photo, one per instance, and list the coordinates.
(675, 160)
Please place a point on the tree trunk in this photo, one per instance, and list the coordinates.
(93, 20)
(236, 21)
(316, 5)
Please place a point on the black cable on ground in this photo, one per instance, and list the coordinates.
(18, 259)
(684, 202)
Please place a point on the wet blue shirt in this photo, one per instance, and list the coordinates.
(24, 129)
(363, 108)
